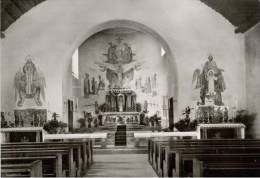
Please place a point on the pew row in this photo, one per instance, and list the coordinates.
(32, 169)
(72, 158)
(171, 157)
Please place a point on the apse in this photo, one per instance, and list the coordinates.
(124, 63)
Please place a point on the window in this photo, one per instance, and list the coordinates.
(75, 64)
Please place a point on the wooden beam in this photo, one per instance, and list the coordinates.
(248, 24)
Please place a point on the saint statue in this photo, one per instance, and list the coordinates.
(127, 54)
(211, 82)
(111, 53)
(29, 83)
(86, 86)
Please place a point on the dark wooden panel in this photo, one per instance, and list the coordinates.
(11, 10)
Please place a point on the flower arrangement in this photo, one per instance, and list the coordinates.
(246, 118)
(186, 125)
(54, 126)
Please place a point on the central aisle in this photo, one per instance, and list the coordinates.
(121, 165)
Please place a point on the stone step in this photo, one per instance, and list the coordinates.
(120, 150)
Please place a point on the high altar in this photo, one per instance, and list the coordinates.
(120, 107)
(120, 100)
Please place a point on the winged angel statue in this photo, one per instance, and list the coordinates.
(210, 81)
(29, 83)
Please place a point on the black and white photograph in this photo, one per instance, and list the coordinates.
(130, 88)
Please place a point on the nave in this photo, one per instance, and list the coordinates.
(143, 88)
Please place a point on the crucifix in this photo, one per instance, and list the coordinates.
(119, 40)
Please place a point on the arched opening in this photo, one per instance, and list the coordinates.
(127, 59)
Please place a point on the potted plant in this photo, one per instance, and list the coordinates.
(82, 122)
(54, 126)
(246, 118)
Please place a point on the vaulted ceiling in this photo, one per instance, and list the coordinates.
(243, 14)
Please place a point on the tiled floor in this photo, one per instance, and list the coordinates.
(121, 165)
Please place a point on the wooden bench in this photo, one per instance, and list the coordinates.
(71, 153)
(33, 169)
(157, 151)
(86, 147)
(174, 158)
(153, 146)
(226, 167)
(49, 164)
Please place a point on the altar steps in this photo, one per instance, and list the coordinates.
(119, 150)
(120, 136)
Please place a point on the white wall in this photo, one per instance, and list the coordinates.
(252, 53)
(147, 52)
(54, 29)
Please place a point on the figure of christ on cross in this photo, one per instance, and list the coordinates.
(119, 74)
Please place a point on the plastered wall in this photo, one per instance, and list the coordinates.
(252, 55)
(53, 30)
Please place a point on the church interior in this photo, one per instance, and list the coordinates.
(109, 88)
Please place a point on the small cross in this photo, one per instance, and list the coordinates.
(119, 40)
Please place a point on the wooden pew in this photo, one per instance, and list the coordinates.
(60, 157)
(84, 152)
(50, 148)
(48, 162)
(153, 147)
(226, 169)
(33, 169)
(86, 146)
(184, 145)
(174, 157)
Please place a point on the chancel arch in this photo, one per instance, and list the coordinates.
(148, 66)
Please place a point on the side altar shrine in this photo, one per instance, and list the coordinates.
(210, 112)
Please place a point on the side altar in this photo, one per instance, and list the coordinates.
(211, 112)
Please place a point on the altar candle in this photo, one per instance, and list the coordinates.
(236, 103)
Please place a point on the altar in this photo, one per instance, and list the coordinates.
(21, 134)
(120, 107)
(221, 131)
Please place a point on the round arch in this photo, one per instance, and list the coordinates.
(173, 78)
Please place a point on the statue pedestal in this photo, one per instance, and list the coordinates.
(209, 102)
(212, 114)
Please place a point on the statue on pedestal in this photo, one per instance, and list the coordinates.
(210, 81)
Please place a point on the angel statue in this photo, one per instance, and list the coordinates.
(210, 81)
(29, 83)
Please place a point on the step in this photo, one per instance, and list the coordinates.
(120, 150)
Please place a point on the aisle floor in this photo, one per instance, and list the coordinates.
(121, 165)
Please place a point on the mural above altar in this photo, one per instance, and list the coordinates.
(119, 66)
